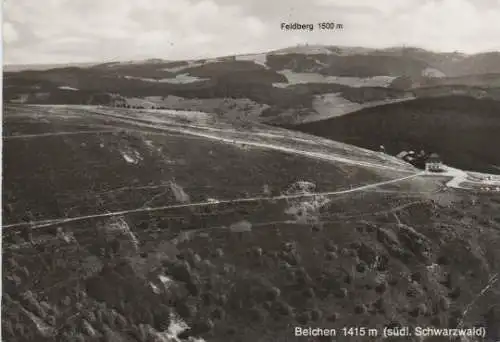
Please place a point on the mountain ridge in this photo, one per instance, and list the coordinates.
(285, 82)
(20, 67)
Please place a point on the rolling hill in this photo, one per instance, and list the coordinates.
(286, 86)
(157, 225)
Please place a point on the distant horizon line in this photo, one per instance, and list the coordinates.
(403, 46)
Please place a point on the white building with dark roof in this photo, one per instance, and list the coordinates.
(433, 163)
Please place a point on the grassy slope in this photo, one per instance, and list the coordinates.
(463, 131)
(85, 165)
(354, 269)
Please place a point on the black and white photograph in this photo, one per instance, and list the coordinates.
(250, 171)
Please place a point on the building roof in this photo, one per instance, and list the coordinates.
(434, 157)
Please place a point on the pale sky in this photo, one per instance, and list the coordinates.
(74, 31)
